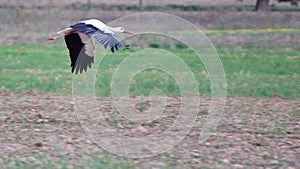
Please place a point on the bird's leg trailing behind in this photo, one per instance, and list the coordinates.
(62, 33)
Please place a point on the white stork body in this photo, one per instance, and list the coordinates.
(98, 24)
(79, 36)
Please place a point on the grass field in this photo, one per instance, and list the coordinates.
(251, 73)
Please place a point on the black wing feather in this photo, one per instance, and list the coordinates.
(106, 39)
(79, 59)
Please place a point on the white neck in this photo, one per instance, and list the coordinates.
(113, 29)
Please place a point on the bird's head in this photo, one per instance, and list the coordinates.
(122, 30)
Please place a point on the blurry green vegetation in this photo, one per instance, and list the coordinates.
(154, 45)
(180, 45)
(45, 161)
(252, 73)
(163, 45)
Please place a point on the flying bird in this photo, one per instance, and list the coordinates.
(79, 41)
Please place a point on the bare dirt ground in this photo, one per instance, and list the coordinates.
(253, 133)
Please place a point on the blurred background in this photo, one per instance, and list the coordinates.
(31, 21)
(258, 42)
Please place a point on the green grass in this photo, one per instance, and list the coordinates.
(251, 73)
(45, 161)
(33, 67)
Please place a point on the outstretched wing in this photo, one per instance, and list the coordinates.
(106, 38)
(81, 50)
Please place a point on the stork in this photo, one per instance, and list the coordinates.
(80, 36)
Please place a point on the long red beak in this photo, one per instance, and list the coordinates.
(125, 31)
